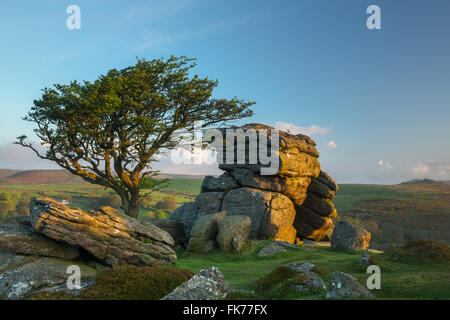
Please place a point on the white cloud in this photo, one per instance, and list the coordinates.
(385, 165)
(332, 145)
(309, 131)
(421, 169)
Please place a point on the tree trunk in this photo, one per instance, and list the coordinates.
(131, 207)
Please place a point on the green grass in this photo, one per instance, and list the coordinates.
(398, 280)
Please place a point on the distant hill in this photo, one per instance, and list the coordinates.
(41, 177)
(6, 173)
(62, 177)
(420, 181)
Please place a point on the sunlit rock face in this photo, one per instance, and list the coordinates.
(294, 202)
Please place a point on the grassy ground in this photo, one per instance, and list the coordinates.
(396, 214)
(399, 280)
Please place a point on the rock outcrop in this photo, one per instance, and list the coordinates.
(208, 284)
(22, 239)
(22, 276)
(349, 237)
(109, 236)
(294, 202)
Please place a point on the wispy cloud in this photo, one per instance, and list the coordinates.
(158, 9)
(309, 131)
(332, 145)
(421, 169)
(151, 37)
(385, 165)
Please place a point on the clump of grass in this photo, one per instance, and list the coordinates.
(276, 284)
(128, 283)
(422, 250)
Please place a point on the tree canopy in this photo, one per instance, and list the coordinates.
(109, 131)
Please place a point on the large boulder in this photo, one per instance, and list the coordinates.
(294, 188)
(313, 218)
(343, 285)
(224, 182)
(23, 240)
(186, 214)
(204, 232)
(234, 232)
(22, 276)
(349, 237)
(296, 153)
(108, 235)
(272, 213)
(208, 284)
(311, 225)
(208, 202)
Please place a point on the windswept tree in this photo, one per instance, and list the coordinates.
(109, 131)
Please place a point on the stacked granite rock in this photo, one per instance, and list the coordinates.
(313, 219)
(273, 202)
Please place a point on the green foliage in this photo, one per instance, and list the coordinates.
(109, 199)
(110, 131)
(167, 204)
(160, 214)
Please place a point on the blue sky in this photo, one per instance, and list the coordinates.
(375, 101)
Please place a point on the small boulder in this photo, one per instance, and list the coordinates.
(204, 233)
(349, 237)
(343, 285)
(22, 239)
(307, 281)
(233, 232)
(271, 249)
(208, 284)
(364, 262)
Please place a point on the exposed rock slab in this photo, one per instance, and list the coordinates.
(31, 275)
(349, 237)
(108, 235)
(208, 284)
(22, 239)
(271, 249)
